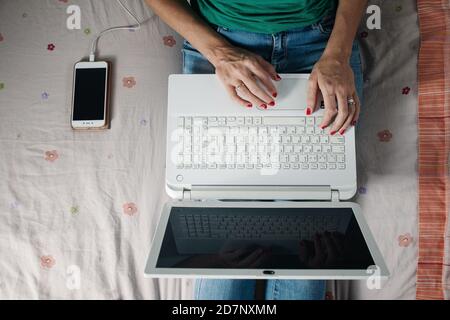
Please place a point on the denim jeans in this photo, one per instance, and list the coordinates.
(206, 289)
(292, 51)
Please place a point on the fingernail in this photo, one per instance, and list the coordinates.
(278, 77)
(274, 94)
(272, 103)
(353, 122)
(308, 111)
(322, 127)
(333, 133)
(264, 106)
(249, 105)
(342, 132)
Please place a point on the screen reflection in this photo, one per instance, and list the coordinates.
(263, 238)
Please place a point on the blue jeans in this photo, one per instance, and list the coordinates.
(292, 51)
(245, 290)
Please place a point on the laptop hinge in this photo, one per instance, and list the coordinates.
(186, 194)
(334, 196)
(259, 193)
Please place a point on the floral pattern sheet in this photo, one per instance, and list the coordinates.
(78, 209)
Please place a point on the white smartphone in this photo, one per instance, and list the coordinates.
(90, 100)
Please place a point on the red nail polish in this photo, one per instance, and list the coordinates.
(278, 77)
(308, 111)
(333, 133)
(264, 106)
(353, 122)
(274, 94)
(342, 132)
(249, 105)
(272, 103)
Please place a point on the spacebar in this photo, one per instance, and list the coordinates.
(283, 121)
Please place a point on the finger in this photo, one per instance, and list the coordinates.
(245, 94)
(318, 248)
(357, 109)
(348, 121)
(342, 113)
(338, 242)
(269, 68)
(257, 91)
(303, 255)
(331, 248)
(262, 258)
(311, 97)
(330, 109)
(235, 97)
(235, 254)
(264, 78)
(251, 258)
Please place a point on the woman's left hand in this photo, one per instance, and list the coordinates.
(335, 79)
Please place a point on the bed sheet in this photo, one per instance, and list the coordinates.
(88, 203)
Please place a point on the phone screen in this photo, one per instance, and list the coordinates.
(89, 96)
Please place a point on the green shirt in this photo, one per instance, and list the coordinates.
(264, 16)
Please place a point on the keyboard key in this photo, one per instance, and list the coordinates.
(284, 121)
(340, 158)
(253, 143)
(310, 121)
(338, 149)
(337, 140)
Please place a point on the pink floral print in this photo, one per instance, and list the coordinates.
(385, 136)
(406, 90)
(130, 209)
(51, 47)
(47, 262)
(51, 156)
(404, 240)
(129, 82)
(169, 41)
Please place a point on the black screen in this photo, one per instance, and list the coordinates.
(89, 98)
(263, 238)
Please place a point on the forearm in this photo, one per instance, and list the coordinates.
(348, 17)
(179, 15)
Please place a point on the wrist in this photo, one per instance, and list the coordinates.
(341, 55)
(218, 53)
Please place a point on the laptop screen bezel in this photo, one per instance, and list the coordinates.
(151, 271)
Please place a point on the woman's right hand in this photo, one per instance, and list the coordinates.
(247, 77)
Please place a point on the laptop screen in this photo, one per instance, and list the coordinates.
(263, 238)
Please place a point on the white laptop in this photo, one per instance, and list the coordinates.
(258, 193)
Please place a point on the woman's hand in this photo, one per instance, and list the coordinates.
(326, 250)
(334, 78)
(247, 77)
(243, 257)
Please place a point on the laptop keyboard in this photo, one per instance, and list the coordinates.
(264, 227)
(240, 143)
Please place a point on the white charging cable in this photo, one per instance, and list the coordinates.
(137, 26)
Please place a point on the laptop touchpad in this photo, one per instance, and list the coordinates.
(292, 94)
